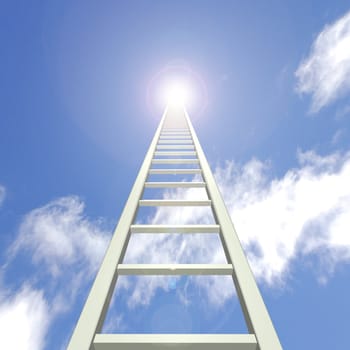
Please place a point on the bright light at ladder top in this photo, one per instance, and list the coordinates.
(177, 93)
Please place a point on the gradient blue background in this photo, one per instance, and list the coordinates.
(75, 117)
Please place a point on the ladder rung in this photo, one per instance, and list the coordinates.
(173, 202)
(175, 171)
(175, 132)
(182, 137)
(173, 184)
(175, 146)
(175, 161)
(176, 135)
(174, 228)
(182, 142)
(175, 341)
(174, 153)
(175, 269)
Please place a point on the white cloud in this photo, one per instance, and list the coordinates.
(58, 235)
(24, 319)
(304, 213)
(2, 194)
(325, 73)
(65, 248)
(277, 219)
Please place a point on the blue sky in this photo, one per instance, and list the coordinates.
(78, 111)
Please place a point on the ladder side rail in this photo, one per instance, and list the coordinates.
(93, 314)
(254, 309)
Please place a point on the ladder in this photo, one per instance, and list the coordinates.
(174, 138)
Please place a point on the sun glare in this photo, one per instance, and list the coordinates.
(177, 93)
(177, 84)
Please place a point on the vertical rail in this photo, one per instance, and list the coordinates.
(96, 305)
(254, 309)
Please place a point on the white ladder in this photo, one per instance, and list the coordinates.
(174, 137)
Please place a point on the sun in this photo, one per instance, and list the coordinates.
(177, 93)
(177, 84)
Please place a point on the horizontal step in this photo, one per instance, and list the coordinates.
(175, 229)
(164, 131)
(174, 153)
(175, 341)
(175, 146)
(172, 137)
(173, 202)
(175, 161)
(178, 132)
(175, 134)
(175, 269)
(175, 171)
(174, 141)
(173, 184)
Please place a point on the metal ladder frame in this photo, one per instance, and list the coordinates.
(262, 335)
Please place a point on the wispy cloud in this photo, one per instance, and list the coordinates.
(338, 136)
(58, 235)
(2, 194)
(305, 212)
(56, 246)
(325, 73)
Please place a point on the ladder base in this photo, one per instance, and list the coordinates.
(175, 341)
